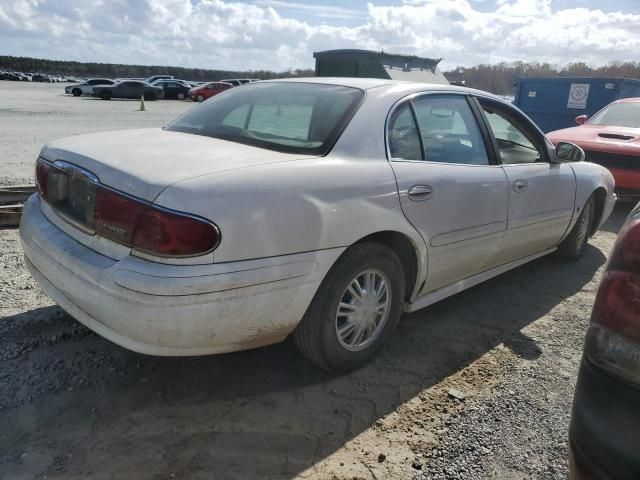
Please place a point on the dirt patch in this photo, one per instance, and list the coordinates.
(73, 405)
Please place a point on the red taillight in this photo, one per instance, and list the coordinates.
(167, 233)
(613, 338)
(617, 305)
(42, 173)
(116, 216)
(132, 222)
(626, 253)
(151, 229)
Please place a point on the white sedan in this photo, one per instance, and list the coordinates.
(318, 208)
(86, 88)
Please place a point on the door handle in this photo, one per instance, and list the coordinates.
(520, 186)
(420, 193)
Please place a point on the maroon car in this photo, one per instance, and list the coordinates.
(604, 437)
(202, 92)
(611, 138)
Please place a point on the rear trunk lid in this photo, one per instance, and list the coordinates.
(139, 163)
(143, 162)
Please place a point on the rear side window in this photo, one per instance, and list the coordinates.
(404, 140)
(287, 117)
(449, 130)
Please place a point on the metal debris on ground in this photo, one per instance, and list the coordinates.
(455, 393)
(11, 200)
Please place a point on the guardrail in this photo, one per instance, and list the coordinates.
(11, 200)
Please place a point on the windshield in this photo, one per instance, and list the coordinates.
(618, 115)
(287, 117)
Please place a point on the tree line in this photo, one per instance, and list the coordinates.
(114, 70)
(498, 78)
(501, 78)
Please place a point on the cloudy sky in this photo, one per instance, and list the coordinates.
(283, 34)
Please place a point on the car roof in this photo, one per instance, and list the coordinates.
(400, 86)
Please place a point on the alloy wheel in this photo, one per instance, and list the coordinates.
(363, 310)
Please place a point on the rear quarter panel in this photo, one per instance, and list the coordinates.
(295, 206)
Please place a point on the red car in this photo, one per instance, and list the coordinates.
(611, 138)
(202, 92)
(604, 437)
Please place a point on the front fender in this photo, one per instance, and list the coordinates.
(589, 178)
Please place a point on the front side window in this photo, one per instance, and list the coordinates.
(515, 144)
(449, 131)
(287, 117)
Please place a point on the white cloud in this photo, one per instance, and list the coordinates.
(232, 35)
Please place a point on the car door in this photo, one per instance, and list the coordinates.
(541, 191)
(134, 89)
(164, 86)
(168, 88)
(171, 90)
(450, 188)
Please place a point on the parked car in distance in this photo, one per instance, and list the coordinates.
(208, 90)
(173, 88)
(236, 82)
(86, 88)
(301, 207)
(605, 424)
(611, 138)
(41, 78)
(14, 77)
(128, 89)
(154, 78)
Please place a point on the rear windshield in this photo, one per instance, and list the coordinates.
(287, 117)
(618, 115)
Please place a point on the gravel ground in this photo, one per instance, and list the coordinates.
(73, 405)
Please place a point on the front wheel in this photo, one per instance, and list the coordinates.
(106, 95)
(572, 247)
(76, 92)
(181, 95)
(200, 98)
(355, 310)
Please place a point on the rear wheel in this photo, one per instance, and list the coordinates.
(572, 247)
(76, 92)
(149, 96)
(105, 95)
(355, 310)
(200, 98)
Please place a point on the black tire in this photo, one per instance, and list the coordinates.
(200, 98)
(105, 95)
(317, 334)
(149, 96)
(572, 247)
(76, 92)
(181, 96)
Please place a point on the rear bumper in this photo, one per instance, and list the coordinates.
(162, 309)
(605, 428)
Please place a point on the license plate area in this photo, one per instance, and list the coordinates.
(72, 193)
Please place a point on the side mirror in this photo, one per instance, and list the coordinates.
(568, 152)
(580, 119)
